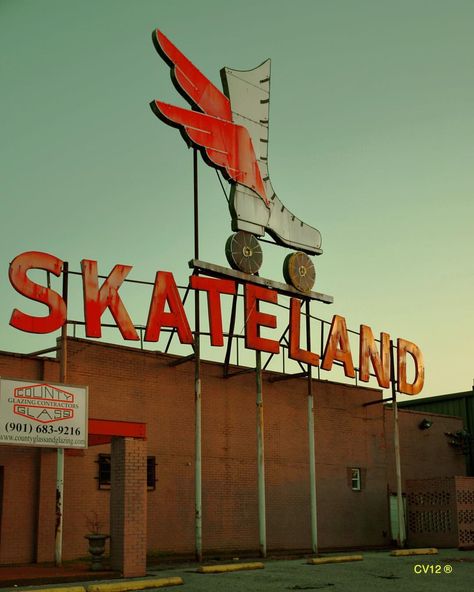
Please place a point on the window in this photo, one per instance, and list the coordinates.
(355, 479)
(104, 472)
(151, 473)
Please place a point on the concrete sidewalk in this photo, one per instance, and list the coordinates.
(43, 574)
(450, 570)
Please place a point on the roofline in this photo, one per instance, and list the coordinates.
(434, 399)
(159, 353)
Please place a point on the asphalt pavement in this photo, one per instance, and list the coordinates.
(450, 570)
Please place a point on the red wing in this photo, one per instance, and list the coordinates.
(195, 86)
(227, 145)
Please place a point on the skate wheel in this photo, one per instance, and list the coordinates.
(298, 270)
(243, 252)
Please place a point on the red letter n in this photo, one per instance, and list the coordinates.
(368, 353)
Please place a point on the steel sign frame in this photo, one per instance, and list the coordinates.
(165, 294)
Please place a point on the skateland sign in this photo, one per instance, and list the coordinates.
(230, 128)
(166, 310)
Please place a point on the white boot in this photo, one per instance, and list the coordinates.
(249, 94)
(231, 130)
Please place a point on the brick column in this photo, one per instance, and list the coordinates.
(128, 507)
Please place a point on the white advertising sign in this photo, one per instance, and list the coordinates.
(43, 414)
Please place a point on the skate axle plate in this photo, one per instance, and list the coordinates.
(224, 272)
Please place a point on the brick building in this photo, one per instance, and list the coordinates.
(127, 384)
(457, 404)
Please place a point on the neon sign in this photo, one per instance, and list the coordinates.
(231, 129)
(99, 298)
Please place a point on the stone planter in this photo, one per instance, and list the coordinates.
(96, 549)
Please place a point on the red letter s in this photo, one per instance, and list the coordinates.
(22, 284)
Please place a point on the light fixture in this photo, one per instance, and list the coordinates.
(425, 424)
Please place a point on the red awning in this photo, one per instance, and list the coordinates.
(101, 431)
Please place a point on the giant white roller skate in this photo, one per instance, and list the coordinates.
(231, 130)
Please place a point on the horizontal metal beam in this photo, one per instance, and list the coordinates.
(377, 401)
(287, 376)
(218, 271)
(181, 360)
(44, 351)
(238, 372)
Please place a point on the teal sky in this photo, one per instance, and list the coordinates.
(371, 141)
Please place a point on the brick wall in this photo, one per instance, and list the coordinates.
(424, 454)
(20, 478)
(127, 384)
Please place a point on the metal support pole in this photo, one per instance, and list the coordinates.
(197, 379)
(58, 542)
(396, 444)
(198, 470)
(231, 334)
(262, 531)
(58, 551)
(312, 455)
(173, 331)
(63, 350)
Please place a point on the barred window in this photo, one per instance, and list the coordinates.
(151, 473)
(104, 472)
(103, 475)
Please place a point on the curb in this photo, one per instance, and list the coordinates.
(409, 552)
(339, 559)
(63, 589)
(127, 586)
(209, 569)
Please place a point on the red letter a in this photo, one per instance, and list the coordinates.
(338, 347)
(165, 291)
